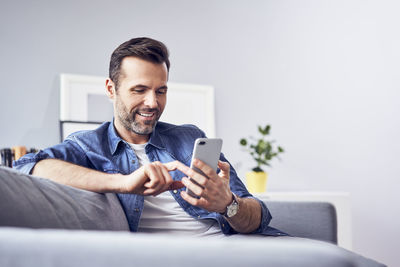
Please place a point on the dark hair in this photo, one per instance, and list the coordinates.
(143, 48)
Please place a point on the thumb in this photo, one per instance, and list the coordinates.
(225, 169)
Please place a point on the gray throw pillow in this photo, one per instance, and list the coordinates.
(29, 201)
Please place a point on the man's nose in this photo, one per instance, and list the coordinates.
(150, 100)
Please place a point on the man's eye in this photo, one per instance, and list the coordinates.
(138, 90)
(161, 92)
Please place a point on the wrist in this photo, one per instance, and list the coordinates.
(227, 203)
(232, 208)
(118, 183)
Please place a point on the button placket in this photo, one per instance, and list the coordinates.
(132, 159)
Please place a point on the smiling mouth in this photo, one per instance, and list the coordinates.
(146, 115)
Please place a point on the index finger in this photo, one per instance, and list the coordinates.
(189, 172)
(177, 165)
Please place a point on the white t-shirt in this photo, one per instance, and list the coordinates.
(162, 214)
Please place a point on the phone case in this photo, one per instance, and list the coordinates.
(207, 150)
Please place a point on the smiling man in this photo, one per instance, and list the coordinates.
(145, 161)
(139, 99)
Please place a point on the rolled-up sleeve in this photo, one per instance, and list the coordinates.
(239, 189)
(68, 150)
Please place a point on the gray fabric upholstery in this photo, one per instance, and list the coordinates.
(32, 202)
(315, 220)
(28, 201)
(47, 248)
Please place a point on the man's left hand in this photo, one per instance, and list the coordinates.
(214, 192)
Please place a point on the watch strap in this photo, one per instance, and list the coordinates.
(230, 206)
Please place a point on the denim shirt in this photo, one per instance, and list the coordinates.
(102, 149)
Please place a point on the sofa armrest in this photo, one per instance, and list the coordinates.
(315, 220)
(34, 202)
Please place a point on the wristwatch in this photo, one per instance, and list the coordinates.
(233, 208)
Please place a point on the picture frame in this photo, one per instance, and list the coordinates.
(69, 127)
(191, 104)
(83, 98)
(84, 103)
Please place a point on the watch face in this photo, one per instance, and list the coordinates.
(232, 209)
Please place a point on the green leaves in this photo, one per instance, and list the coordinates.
(263, 150)
(243, 142)
(264, 131)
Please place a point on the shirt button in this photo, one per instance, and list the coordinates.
(198, 217)
(133, 161)
(175, 191)
(223, 225)
(137, 210)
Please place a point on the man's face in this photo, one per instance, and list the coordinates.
(140, 98)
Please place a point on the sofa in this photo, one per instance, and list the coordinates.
(43, 223)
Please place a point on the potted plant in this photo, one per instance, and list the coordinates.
(262, 151)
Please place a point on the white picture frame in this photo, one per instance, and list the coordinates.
(186, 103)
(191, 104)
(75, 93)
(69, 127)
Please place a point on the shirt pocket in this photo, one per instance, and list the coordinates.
(186, 159)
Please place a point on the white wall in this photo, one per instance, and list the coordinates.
(325, 74)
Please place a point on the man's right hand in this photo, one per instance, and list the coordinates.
(152, 179)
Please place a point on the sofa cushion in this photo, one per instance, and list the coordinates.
(26, 247)
(29, 201)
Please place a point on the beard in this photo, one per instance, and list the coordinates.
(129, 122)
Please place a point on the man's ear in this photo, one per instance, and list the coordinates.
(110, 88)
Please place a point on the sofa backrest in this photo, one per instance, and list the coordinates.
(315, 220)
(29, 201)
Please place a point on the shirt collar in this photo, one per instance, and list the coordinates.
(114, 139)
(155, 138)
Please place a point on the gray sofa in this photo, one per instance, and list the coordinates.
(43, 223)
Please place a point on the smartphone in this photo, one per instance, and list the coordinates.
(207, 150)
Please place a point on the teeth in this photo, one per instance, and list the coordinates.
(146, 115)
